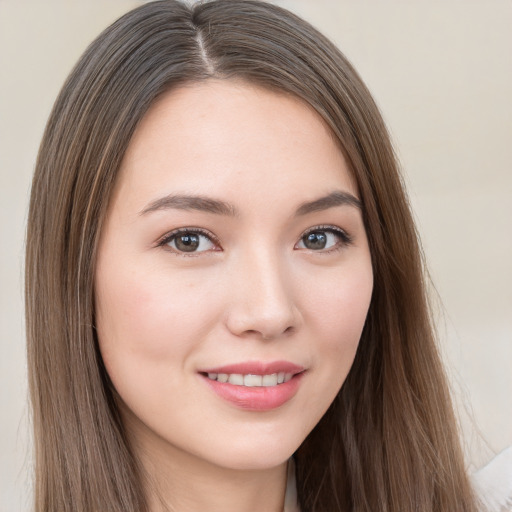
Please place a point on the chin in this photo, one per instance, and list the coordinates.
(261, 453)
(253, 460)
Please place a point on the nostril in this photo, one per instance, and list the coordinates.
(288, 331)
(263, 320)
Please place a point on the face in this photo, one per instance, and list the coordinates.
(233, 276)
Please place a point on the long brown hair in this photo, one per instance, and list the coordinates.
(389, 441)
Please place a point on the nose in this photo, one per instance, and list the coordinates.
(262, 300)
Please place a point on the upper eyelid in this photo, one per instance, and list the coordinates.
(327, 227)
(201, 231)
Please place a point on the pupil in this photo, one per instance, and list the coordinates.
(187, 243)
(315, 240)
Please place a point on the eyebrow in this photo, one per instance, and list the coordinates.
(218, 207)
(189, 202)
(336, 198)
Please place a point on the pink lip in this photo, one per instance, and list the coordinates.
(256, 368)
(256, 398)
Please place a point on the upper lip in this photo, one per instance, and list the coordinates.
(256, 368)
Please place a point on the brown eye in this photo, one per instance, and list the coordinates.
(315, 241)
(189, 241)
(323, 239)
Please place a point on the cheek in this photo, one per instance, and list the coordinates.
(349, 306)
(337, 313)
(130, 313)
(148, 312)
(337, 303)
(130, 336)
(147, 329)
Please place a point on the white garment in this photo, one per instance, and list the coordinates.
(290, 498)
(493, 483)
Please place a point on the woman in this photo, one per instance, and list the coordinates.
(223, 272)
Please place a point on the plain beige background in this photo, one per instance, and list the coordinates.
(442, 75)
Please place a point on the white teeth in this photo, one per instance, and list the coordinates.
(250, 380)
(270, 380)
(236, 379)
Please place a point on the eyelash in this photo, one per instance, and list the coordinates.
(345, 239)
(169, 237)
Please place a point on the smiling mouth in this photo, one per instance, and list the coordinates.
(255, 386)
(250, 380)
(253, 392)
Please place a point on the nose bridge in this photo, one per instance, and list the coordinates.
(263, 301)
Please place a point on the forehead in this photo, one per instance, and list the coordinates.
(225, 137)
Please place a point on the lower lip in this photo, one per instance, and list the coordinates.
(256, 398)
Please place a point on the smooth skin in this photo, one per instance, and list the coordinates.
(251, 276)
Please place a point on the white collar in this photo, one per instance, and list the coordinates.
(290, 497)
(493, 483)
